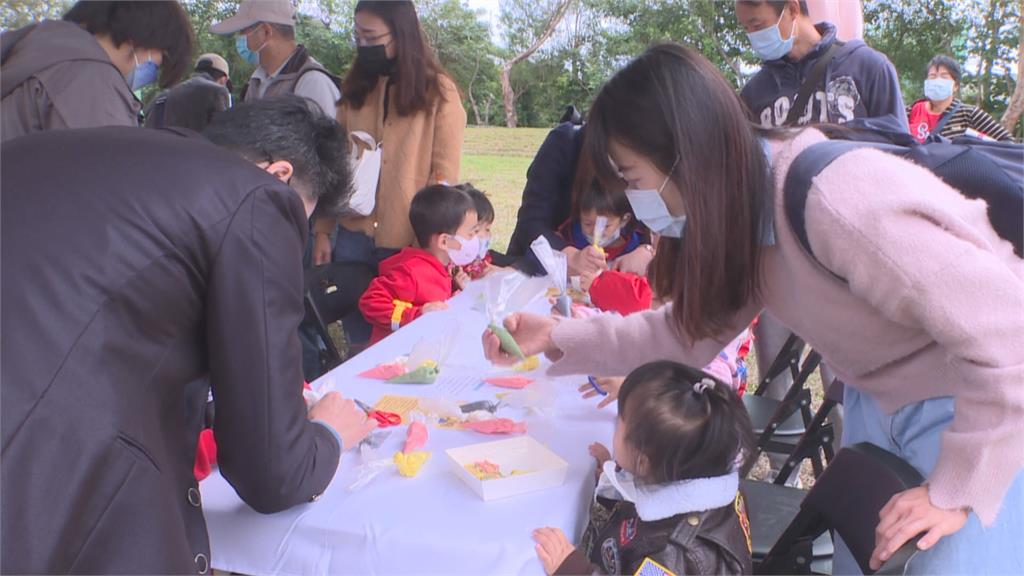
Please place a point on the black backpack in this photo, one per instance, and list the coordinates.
(991, 171)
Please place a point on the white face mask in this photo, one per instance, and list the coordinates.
(485, 245)
(620, 480)
(467, 253)
(649, 207)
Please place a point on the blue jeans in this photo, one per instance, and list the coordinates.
(914, 434)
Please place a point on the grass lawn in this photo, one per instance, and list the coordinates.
(495, 160)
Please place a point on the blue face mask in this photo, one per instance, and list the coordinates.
(144, 73)
(938, 89)
(650, 208)
(768, 43)
(242, 47)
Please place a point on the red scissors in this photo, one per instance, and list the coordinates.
(384, 419)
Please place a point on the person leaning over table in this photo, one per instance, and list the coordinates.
(926, 328)
(143, 277)
(81, 72)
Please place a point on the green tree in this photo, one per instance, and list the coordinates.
(17, 13)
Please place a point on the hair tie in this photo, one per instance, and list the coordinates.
(705, 384)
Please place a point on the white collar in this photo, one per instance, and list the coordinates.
(659, 501)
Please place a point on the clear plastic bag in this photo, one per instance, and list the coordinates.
(557, 267)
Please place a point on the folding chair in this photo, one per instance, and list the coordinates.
(333, 292)
(846, 499)
(790, 426)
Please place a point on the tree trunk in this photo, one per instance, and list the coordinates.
(472, 100)
(1016, 107)
(508, 93)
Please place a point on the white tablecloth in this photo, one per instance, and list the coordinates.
(431, 524)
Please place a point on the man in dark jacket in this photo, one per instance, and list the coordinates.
(136, 261)
(859, 82)
(193, 103)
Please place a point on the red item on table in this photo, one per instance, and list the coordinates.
(384, 371)
(622, 292)
(496, 426)
(514, 382)
(415, 437)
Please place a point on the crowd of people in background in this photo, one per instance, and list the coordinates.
(176, 256)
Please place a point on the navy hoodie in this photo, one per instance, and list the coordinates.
(860, 82)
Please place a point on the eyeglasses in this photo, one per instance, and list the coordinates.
(368, 40)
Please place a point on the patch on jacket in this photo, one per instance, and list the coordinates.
(651, 568)
(627, 531)
(610, 556)
(741, 513)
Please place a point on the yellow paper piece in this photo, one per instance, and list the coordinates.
(531, 363)
(401, 405)
(409, 464)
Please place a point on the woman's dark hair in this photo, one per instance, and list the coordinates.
(157, 25)
(943, 61)
(417, 71)
(290, 128)
(438, 209)
(680, 431)
(668, 105)
(484, 208)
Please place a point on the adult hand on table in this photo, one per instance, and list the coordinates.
(531, 332)
(588, 261)
(908, 514)
(636, 262)
(321, 249)
(609, 385)
(552, 548)
(345, 417)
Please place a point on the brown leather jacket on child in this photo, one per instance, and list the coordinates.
(617, 541)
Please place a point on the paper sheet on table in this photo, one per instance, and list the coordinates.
(401, 405)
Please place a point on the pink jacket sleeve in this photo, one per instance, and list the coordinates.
(611, 345)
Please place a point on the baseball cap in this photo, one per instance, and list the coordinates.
(255, 11)
(213, 61)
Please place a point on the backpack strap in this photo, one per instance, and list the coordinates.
(810, 83)
(937, 130)
(802, 172)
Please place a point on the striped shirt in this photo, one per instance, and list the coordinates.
(968, 116)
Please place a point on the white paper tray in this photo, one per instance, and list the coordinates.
(546, 469)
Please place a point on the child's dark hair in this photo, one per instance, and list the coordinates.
(682, 430)
(484, 208)
(603, 202)
(438, 209)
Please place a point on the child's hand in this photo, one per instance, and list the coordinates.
(600, 453)
(552, 548)
(587, 279)
(461, 279)
(609, 385)
(491, 268)
(586, 261)
(434, 306)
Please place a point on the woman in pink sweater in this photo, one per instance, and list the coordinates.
(926, 326)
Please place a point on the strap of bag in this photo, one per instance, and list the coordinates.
(810, 83)
(945, 118)
(802, 172)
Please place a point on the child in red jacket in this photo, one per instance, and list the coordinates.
(419, 280)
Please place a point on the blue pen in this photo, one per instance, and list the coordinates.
(596, 386)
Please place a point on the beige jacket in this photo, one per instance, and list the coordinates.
(418, 150)
(55, 75)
